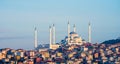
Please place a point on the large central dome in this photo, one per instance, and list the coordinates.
(73, 34)
(74, 38)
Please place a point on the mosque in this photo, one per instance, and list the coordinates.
(71, 38)
(74, 39)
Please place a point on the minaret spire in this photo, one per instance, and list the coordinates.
(68, 31)
(54, 34)
(89, 33)
(50, 36)
(74, 28)
(35, 36)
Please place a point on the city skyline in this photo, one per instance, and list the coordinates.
(18, 19)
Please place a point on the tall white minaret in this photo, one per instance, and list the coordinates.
(53, 30)
(50, 36)
(89, 33)
(68, 32)
(35, 36)
(74, 27)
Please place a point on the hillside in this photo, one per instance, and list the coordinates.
(112, 41)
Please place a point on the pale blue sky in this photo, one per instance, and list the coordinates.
(18, 18)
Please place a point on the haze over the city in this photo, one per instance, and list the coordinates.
(19, 17)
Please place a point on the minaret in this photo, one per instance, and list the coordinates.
(74, 27)
(50, 36)
(35, 36)
(89, 33)
(68, 31)
(53, 34)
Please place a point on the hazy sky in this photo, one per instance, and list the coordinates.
(18, 18)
